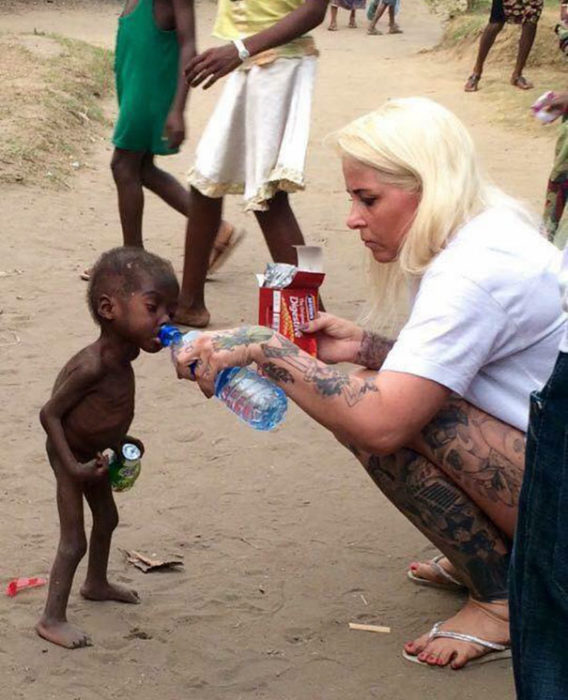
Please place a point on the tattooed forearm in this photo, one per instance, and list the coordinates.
(277, 374)
(245, 335)
(285, 349)
(373, 351)
(327, 381)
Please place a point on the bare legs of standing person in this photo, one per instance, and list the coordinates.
(528, 33)
(281, 232)
(485, 43)
(332, 19)
(132, 172)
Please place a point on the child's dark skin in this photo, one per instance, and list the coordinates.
(90, 410)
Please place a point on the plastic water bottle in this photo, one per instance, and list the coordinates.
(253, 398)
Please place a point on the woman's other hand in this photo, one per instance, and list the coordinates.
(338, 340)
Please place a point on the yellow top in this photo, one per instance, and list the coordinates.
(237, 19)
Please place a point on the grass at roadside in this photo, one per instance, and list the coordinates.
(51, 106)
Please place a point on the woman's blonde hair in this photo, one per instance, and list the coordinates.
(419, 146)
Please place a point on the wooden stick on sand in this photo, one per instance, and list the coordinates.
(369, 628)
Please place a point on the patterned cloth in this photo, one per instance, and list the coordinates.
(557, 190)
(349, 4)
(521, 11)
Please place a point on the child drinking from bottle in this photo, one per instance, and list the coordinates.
(131, 294)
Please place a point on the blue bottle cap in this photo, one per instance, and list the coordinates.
(169, 335)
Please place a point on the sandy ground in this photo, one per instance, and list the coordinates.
(285, 539)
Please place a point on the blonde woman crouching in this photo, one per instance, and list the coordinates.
(438, 417)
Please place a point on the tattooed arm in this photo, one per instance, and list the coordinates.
(340, 340)
(375, 412)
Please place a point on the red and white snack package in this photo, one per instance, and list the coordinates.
(288, 296)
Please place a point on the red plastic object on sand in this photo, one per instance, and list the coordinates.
(19, 584)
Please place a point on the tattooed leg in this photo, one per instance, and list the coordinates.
(447, 517)
(480, 453)
(455, 524)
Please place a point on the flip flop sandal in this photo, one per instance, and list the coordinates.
(86, 274)
(395, 30)
(223, 251)
(495, 652)
(472, 83)
(332, 28)
(451, 583)
(374, 32)
(522, 83)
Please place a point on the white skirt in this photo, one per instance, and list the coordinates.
(256, 140)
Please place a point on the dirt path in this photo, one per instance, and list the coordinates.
(285, 539)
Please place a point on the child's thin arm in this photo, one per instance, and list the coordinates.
(215, 63)
(67, 395)
(185, 31)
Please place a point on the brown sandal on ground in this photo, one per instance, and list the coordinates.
(472, 83)
(226, 243)
(373, 31)
(522, 83)
(395, 29)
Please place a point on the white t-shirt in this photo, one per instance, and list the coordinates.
(487, 319)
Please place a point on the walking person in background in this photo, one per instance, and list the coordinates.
(155, 39)
(376, 11)
(557, 187)
(256, 140)
(351, 5)
(523, 12)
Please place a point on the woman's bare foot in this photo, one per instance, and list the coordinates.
(197, 317)
(488, 621)
(430, 571)
(62, 633)
(332, 27)
(109, 591)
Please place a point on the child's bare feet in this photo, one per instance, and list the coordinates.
(62, 633)
(198, 317)
(487, 621)
(109, 591)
